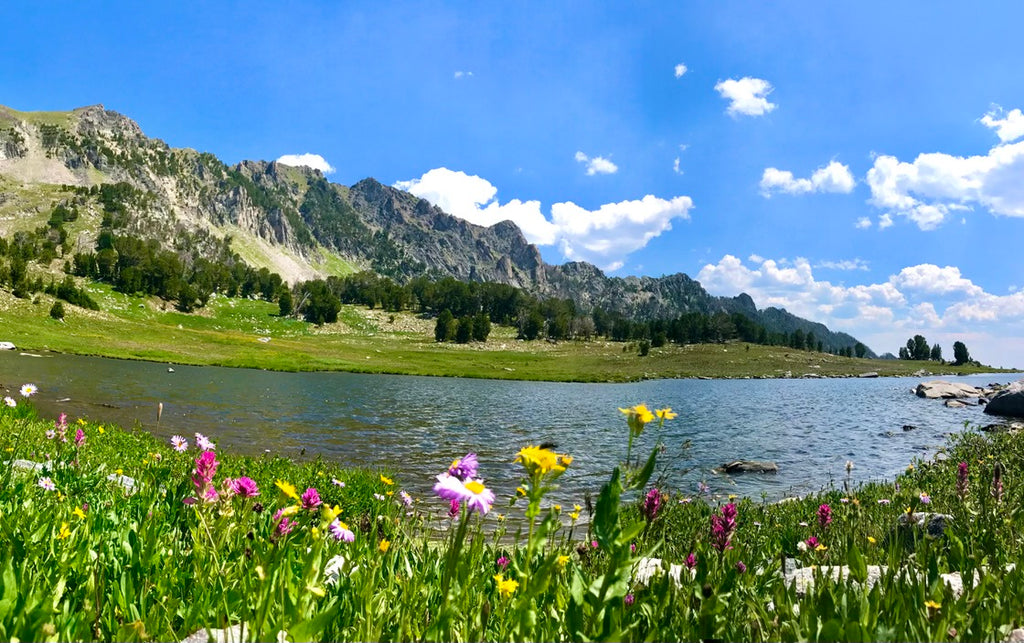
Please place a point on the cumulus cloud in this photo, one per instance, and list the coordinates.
(935, 185)
(314, 161)
(604, 236)
(834, 177)
(748, 96)
(597, 164)
(1009, 127)
(938, 302)
(680, 70)
(863, 223)
(675, 166)
(463, 74)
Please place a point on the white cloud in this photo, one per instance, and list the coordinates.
(936, 185)
(1007, 129)
(834, 177)
(680, 69)
(604, 236)
(862, 223)
(938, 302)
(463, 74)
(884, 221)
(675, 166)
(747, 96)
(597, 164)
(845, 264)
(314, 161)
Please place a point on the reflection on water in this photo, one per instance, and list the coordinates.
(417, 425)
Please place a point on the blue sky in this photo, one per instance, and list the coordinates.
(861, 164)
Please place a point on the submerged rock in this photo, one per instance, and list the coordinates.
(748, 466)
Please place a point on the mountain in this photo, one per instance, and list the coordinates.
(295, 222)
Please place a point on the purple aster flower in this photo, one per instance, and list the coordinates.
(50, 434)
(884, 501)
(406, 498)
(46, 483)
(702, 487)
(245, 487)
(204, 442)
(925, 498)
(465, 468)
(341, 532)
(473, 492)
(179, 443)
(311, 499)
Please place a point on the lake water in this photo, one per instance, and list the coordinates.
(415, 426)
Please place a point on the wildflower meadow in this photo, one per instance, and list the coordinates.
(111, 534)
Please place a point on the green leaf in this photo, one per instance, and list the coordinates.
(606, 518)
(639, 481)
(858, 568)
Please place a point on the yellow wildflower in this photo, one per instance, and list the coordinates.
(386, 480)
(562, 561)
(9, 449)
(871, 540)
(733, 496)
(384, 545)
(932, 604)
(577, 508)
(81, 421)
(640, 411)
(100, 429)
(910, 468)
(291, 511)
(501, 517)
(64, 531)
(821, 548)
(315, 532)
(536, 459)
(119, 472)
(557, 507)
(575, 516)
(520, 491)
(78, 512)
(330, 513)
(287, 489)
(566, 460)
(316, 591)
(666, 414)
(259, 573)
(506, 588)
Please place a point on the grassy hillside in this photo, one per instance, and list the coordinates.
(245, 333)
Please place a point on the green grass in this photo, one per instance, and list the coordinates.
(61, 119)
(92, 560)
(227, 332)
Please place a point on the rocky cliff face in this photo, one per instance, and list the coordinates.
(287, 218)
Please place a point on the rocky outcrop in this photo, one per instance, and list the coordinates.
(1008, 402)
(940, 389)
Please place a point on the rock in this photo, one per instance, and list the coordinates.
(748, 466)
(909, 427)
(647, 568)
(993, 428)
(1008, 402)
(803, 577)
(956, 404)
(936, 389)
(868, 374)
(1016, 636)
(6, 346)
(234, 634)
(933, 524)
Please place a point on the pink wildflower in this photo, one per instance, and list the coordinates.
(502, 562)
(652, 504)
(691, 561)
(79, 437)
(453, 508)
(311, 499)
(740, 567)
(340, 531)
(204, 442)
(812, 542)
(824, 516)
(206, 468)
(962, 481)
(179, 443)
(245, 487)
(465, 468)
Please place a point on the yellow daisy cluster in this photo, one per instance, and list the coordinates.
(637, 417)
(536, 459)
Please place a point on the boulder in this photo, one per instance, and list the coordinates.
(6, 346)
(956, 404)
(936, 389)
(869, 374)
(909, 427)
(748, 466)
(932, 524)
(1008, 402)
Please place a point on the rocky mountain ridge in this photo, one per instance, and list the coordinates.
(295, 222)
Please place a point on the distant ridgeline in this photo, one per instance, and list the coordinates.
(86, 193)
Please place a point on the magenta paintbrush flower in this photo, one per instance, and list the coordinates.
(962, 481)
(652, 504)
(311, 499)
(723, 526)
(824, 516)
(79, 437)
(245, 487)
(206, 468)
(691, 560)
